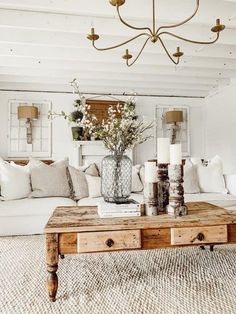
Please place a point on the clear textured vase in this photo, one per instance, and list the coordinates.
(116, 178)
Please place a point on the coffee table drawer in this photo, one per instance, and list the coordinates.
(199, 235)
(108, 241)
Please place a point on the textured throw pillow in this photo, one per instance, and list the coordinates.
(210, 177)
(137, 185)
(14, 181)
(91, 169)
(191, 184)
(94, 186)
(50, 180)
(79, 182)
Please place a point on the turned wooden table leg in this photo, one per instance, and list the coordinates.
(52, 264)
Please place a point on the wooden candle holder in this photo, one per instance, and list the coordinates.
(176, 205)
(150, 199)
(163, 187)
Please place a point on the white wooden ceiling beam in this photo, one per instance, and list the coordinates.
(66, 76)
(51, 64)
(104, 89)
(169, 10)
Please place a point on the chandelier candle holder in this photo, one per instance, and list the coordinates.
(151, 189)
(176, 205)
(155, 34)
(163, 154)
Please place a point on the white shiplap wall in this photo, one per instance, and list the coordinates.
(220, 111)
(62, 144)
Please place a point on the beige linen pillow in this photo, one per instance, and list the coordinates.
(191, 184)
(79, 182)
(94, 186)
(50, 180)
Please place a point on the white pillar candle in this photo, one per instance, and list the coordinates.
(150, 172)
(175, 154)
(163, 150)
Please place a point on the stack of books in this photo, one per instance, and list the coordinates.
(112, 210)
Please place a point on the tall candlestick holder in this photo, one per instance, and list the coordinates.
(150, 199)
(176, 205)
(163, 187)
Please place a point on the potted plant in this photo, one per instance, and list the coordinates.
(121, 132)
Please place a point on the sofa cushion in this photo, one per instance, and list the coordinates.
(50, 180)
(79, 182)
(94, 186)
(191, 184)
(33, 206)
(210, 177)
(14, 181)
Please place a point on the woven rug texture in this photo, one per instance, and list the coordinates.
(186, 280)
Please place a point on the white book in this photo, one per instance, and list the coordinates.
(110, 207)
(118, 215)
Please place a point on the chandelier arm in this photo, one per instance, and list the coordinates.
(130, 26)
(122, 44)
(145, 43)
(167, 52)
(183, 22)
(190, 40)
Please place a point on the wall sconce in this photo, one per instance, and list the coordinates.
(174, 117)
(29, 113)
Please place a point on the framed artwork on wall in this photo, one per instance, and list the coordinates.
(18, 145)
(163, 129)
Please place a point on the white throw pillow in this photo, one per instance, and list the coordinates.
(211, 179)
(50, 180)
(137, 185)
(230, 180)
(14, 181)
(94, 186)
(191, 184)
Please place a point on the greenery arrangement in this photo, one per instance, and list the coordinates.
(122, 130)
(82, 122)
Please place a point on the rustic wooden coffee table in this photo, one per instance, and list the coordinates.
(72, 230)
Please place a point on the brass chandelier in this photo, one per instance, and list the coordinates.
(155, 34)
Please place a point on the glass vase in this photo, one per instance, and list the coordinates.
(116, 178)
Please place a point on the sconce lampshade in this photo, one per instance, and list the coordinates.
(28, 112)
(174, 116)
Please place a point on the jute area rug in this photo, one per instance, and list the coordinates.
(166, 281)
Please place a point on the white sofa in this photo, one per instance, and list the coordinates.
(29, 216)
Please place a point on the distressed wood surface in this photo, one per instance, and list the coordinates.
(232, 233)
(52, 264)
(24, 162)
(85, 219)
(155, 238)
(163, 187)
(150, 199)
(199, 235)
(108, 241)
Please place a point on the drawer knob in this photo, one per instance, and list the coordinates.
(200, 237)
(109, 242)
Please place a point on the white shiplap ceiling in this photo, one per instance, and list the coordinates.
(43, 46)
